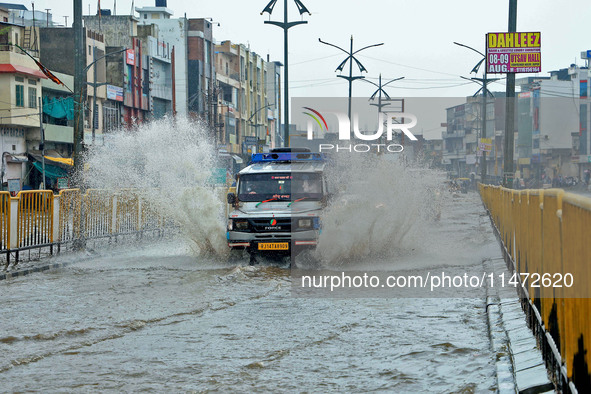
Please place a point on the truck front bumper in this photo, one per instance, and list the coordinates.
(297, 240)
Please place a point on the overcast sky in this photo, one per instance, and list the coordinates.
(417, 35)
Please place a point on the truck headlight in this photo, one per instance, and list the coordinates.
(241, 225)
(305, 223)
(230, 225)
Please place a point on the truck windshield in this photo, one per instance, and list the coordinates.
(280, 186)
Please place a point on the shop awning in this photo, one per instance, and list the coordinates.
(61, 162)
(51, 171)
(237, 159)
(13, 69)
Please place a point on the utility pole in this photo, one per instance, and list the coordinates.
(42, 133)
(94, 84)
(508, 170)
(285, 25)
(79, 90)
(350, 58)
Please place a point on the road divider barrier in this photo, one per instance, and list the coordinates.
(546, 241)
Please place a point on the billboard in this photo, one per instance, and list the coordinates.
(513, 53)
(130, 57)
(114, 93)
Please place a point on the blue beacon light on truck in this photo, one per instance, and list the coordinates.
(287, 157)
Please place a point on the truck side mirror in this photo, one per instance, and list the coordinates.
(231, 198)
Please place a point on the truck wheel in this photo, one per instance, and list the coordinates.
(253, 259)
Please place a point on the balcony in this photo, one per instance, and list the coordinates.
(454, 155)
(453, 134)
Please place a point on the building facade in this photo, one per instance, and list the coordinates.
(174, 32)
(20, 92)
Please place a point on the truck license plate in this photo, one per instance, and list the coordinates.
(274, 246)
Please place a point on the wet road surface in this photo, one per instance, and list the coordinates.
(159, 318)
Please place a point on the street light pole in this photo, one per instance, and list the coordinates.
(508, 170)
(350, 58)
(484, 82)
(285, 25)
(79, 88)
(381, 91)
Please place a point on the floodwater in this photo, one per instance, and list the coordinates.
(159, 317)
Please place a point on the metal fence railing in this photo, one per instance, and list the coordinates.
(4, 220)
(546, 235)
(39, 219)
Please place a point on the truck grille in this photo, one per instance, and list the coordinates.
(283, 225)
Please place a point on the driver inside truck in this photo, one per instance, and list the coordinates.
(310, 186)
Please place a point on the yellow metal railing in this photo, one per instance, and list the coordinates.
(35, 218)
(70, 202)
(4, 220)
(128, 218)
(98, 213)
(548, 233)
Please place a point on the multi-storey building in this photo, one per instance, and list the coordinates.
(160, 62)
(128, 69)
(252, 84)
(173, 31)
(20, 91)
(548, 118)
(57, 53)
(202, 91)
(227, 62)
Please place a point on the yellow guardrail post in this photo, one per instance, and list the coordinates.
(5, 223)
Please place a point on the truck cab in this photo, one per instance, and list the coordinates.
(275, 207)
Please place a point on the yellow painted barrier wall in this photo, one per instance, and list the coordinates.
(547, 234)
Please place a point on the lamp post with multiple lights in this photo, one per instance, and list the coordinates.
(285, 25)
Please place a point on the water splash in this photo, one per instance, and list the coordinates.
(169, 161)
(380, 208)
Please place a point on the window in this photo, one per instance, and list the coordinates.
(32, 82)
(32, 97)
(89, 50)
(20, 95)
(19, 79)
(129, 78)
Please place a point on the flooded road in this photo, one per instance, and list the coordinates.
(159, 318)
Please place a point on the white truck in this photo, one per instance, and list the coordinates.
(275, 206)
